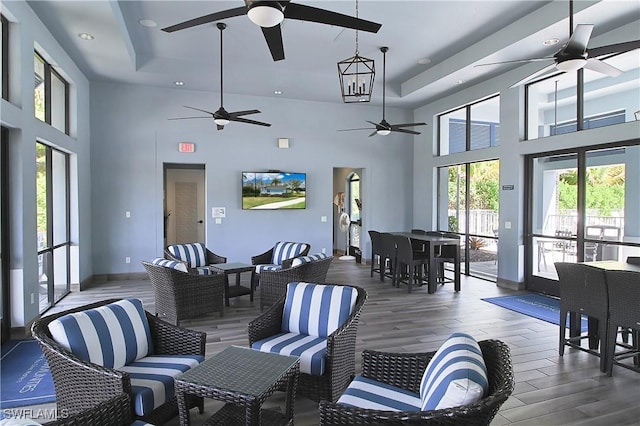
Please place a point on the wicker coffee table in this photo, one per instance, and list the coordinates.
(243, 378)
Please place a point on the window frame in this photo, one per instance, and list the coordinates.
(5, 57)
(48, 72)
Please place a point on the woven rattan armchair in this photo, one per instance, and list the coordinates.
(405, 370)
(341, 346)
(115, 411)
(212, 259)
(181, 295)
(82, 385)
(273, 284)
(267, 257)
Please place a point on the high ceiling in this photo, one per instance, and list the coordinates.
(452, 35)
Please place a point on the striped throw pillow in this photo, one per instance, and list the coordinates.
(315, 309)
(455, 376)
(178, 266)
(308, 259)
(195, 254)
(112, 335)
(284, 250)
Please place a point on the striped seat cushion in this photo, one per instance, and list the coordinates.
(152, 379)
(204, 270)
(315, 309)
(141, 423)
(373, 395)
(455, 376)
(111, 335)
(311, 350)
(195, 254)
(308, 259)
(267, 267)
(285, 250)
(178, 266)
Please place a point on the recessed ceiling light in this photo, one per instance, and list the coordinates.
(277, 92)
(551, 41)
(179, 83)
(424, 61)
(86, 36)
(458, 82)
(149, 23)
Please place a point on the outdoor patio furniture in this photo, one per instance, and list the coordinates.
(196, 256)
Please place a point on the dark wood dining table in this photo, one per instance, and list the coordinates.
(433, 241)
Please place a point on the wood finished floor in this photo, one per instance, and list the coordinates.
(550, 390)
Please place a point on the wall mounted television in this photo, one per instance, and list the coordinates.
(274, 190)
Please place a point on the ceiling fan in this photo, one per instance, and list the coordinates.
(270, 14)
(222, 117)
(384, 128)
(575, 54)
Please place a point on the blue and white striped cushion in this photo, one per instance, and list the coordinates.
(141, 423)
(267, 267)
(315, 309)
(152, 379)
(455, 376)
(311, 350)
(284, 250)
(204, 270)
(373, 395)
(178, 266)
(195, 254)
(308, 259)
(111, 335)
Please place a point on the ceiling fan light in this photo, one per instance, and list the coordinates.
(266, 15)
(221, 121)
(383, 132)
(571, 64)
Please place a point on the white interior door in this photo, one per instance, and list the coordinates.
(185, 206)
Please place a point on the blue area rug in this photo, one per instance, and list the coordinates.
(535, 305)
(24, 375)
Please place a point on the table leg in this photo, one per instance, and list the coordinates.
(252, 416)
(183, 412)
(292, 384)
(456, 269)
(432, 285)
(226, 290)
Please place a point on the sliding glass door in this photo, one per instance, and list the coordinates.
(578, 202)
(52, 204)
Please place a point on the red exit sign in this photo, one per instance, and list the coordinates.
(186, 147)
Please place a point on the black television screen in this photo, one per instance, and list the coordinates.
(274, 190)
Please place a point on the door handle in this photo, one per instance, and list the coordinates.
(200, 221)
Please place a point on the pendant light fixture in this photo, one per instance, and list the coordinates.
(356, 76)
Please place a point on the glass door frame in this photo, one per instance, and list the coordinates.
(538, 283)
(5, 326)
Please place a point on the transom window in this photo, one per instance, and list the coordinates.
(51, 95)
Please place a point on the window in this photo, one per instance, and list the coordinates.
(53, 224)
(552, 104)
(474, 126)
(51, 95)
(5, 56)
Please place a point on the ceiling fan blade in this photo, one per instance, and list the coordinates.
(597, 65)
(375, 124)
(247, 112)
(313, 14)
(187, 118)
(535, 74)
(515, 61)
(360, 128)
(219, 127)
(247, 121)
(393, 126)
(579, 40)
(230, 13)
(198, 109)
(273, 36)
(413, 132)
(614, 48)
(375, 132)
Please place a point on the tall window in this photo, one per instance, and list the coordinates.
(471, 127)
(556, 104)
(51, 95)
(52, 208)
(4, 53)
(468, 204)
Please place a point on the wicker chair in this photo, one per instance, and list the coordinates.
(211, 258)
(341, 345)
(273, 284)
(376, 251)
(405, 370)
(82, 385)
(115, 411)
(182, 295)
(283, 262)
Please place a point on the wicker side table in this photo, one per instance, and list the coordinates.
(243, 378)
(234, 268)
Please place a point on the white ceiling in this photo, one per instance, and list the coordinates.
(454, 35)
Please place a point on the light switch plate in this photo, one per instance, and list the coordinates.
(507, 225)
